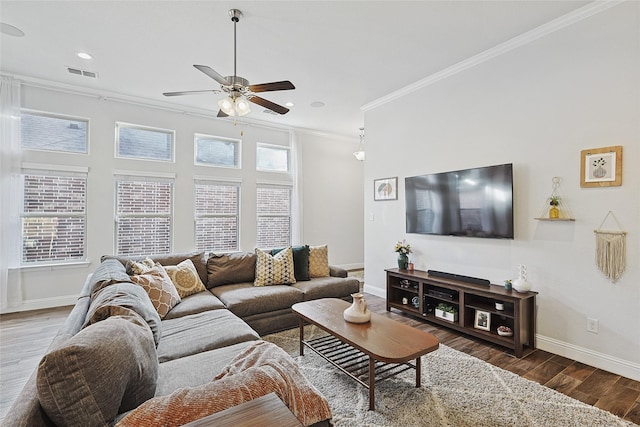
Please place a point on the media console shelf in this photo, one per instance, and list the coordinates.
(518, 311)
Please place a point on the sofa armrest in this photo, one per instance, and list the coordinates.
(337, 271)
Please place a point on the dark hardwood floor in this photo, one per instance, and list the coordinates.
(24, 338)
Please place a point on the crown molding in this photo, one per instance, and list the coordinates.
(523, 39)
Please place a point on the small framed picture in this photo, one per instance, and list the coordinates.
(482, 320)
(385, 189)
(601, 167)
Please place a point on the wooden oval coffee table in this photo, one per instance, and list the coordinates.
(366, 352)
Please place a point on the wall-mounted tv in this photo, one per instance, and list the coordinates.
(474, 202)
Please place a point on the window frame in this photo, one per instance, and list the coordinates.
(218, 182)
(147, 128)
(237, 141)
(284, 148)
(51, 115)
(278, 185)
(53, 170)
(145, 177)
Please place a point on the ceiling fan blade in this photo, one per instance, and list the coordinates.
(222, 114)
(213, 74)
(189, 92)
(268, 87)
(268, 104)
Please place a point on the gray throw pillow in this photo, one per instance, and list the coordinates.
(117, 299)
(105, 369)
(237, 267)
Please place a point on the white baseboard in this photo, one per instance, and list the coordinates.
(382, 293)
(40, 303)
(589, 357)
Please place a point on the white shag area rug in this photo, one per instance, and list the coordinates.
(457, 390)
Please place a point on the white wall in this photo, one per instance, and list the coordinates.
(334, 177)
(537, 107)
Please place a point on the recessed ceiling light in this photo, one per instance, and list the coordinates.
(317, 104)
(84, 55)
(289, 104)
(10, 30)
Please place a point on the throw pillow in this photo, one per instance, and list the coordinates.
(118, 300)
(300, 261)
(318, 261)
(237, 267)
(185, 278)
(105, 369)
(139, 267)
(164, 296)
(274, 270)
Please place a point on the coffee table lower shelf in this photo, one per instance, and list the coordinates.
(357, 365)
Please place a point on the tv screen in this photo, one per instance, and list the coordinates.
(472, 202)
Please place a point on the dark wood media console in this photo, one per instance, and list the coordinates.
(519, 313)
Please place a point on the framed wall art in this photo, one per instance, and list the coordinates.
(482, 320)
(601, 167)
(385, 189)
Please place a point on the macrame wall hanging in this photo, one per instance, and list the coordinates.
(611, 250)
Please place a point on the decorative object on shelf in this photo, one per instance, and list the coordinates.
(505, 331)
(521, 284)
(559, 210)
(507, 285)
(358, 311)
(446, 312)
(403, 249)
(482, 320)
(415, 301)
(405, 301)
(410, 266)
(499, 305)
(601, 167)
(385, 189)
(611, 250)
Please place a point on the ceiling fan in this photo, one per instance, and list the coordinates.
(238, 89)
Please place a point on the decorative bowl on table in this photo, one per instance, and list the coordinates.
(505, 331)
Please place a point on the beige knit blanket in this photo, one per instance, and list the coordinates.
(261, 369)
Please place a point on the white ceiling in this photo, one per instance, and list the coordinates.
(343, 53)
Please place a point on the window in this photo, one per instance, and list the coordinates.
(216, 216)
(42, 131)
(272, 158)
(274, 216)
(54, 216)
(141, 142)
(216, 151)
(143, 215)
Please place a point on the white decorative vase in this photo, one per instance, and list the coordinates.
(358, 311)
(521, 284)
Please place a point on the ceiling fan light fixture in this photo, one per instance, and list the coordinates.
(242, 106)
(226, 105)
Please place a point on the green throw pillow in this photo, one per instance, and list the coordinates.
(300, 261)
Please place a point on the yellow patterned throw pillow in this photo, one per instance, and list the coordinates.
(318, 261)
(185, 278)
(274, 270)
(140, 267)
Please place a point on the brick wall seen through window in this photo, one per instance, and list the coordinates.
(143, 216)
(53, 218)
(216, 216)
(140, 142)
(274, 216)
(40, 131)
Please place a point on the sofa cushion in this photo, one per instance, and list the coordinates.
(106, 368)
(196, 303)
(300, 261)
(200, 332)
(160, 289)
(318, 261)
(117, 299)
(185, 278)
(244, 299)
(107, 273)
(274, 270)
(198, 259)
(237, 267)
(328, 287)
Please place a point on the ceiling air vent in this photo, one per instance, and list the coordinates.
(82, 72)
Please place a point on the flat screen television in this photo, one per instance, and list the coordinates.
(474, 202)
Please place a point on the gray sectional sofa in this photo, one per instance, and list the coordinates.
(194, 341)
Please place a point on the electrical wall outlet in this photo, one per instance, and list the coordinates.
(592, 325)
